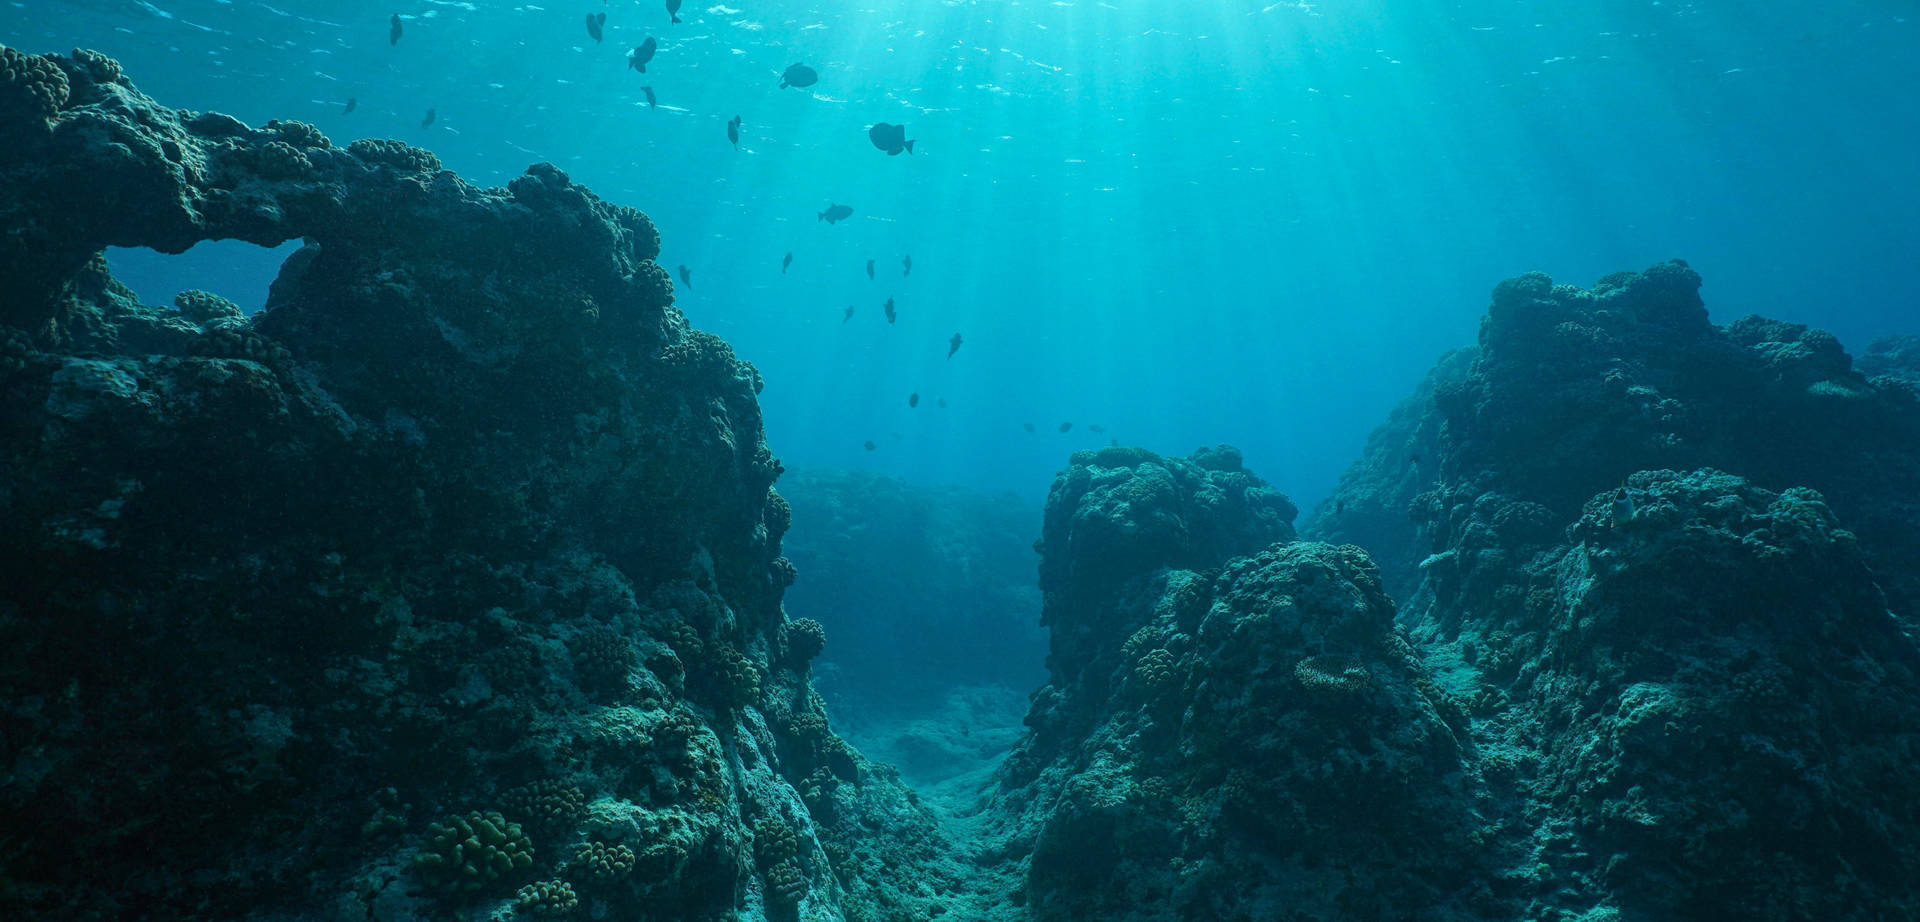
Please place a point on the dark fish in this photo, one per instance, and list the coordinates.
(1339, 506)
(673, 10)
(733, 132)
(642, 53)
(428, 120)
(871, 446)
(913, 400)
(1413, 459)
(943, 403)
(953, 345)
(869, 270)
(648, 91)
(848, 315)
(1097, 429)
(799, 75)
(1065, 426)
(1027, 426)
(785, 263)
(686, 276)
(835, 213)
(906, 264)
(352, 104)
(890, 138)
(393, 31)
(595, 23)
(890, 315)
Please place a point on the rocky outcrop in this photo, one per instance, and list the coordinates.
(449, 582)
(1896, 357)
(1573, 390)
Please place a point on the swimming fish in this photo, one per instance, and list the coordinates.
(1622, 507)
(596, 22)
(913, 400)
(890, 138)
(869, 270)
(835, 213)
(429, 119)
(906, 264)
(799, 75)
(393, 31)
(943, 403)
(1065, 426)
(673, 10)
(785, 263)
(890, 315)
(848, 315)
(1097, 429)
(686, 276)
(871, 446)
(642, 53)
(953, 345)
(648, 92)
(353, 102)
(1027, 426)
(733, 132)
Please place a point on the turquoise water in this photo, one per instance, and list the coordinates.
(1183, 223)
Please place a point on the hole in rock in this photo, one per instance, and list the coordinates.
(233, 269)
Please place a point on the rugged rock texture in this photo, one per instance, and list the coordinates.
(921, 589)
(1896, 357)
(1575, 389)
(1234, 727)
(449, 582)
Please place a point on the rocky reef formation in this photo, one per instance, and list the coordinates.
(448, 584)
(1572, 390)
(1896, 357)
(1234, 727)
(922, 589)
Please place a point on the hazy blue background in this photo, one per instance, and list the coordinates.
(1188, 222)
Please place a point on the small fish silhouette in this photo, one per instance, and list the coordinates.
(869, 270)
(1097, 429)
(1027, 426)
(835, 213)
(784, 263)
(890, 314)
(393, 31)
(429, 119)
(686, 276)
(595, 23)
(953, 345)
(733, 132)
(871, 446)
(673, 10)
(906, 264)
(943, 403)
(848, 315)
(1065, 426)
(353, 102)
(890, 138)
(648, 92)
(913, 400)
(642, 53)
(799, 75)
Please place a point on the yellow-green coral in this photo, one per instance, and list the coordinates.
(603, 658)
(380, 151)
(548, 805)
(204, 306)
(600, 862)
(774, 841)
(99, 67)
(31, 83)
(787, 885)
(471, 853)
(546, 898)
(805, 639)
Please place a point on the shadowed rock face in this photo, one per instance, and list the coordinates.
(1572, 390)
(466, 534)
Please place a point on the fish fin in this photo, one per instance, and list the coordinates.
(676, 19)
(909, 147)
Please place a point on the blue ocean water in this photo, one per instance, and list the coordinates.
(1169, 224)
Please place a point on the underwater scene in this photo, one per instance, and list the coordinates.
(964, 460)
